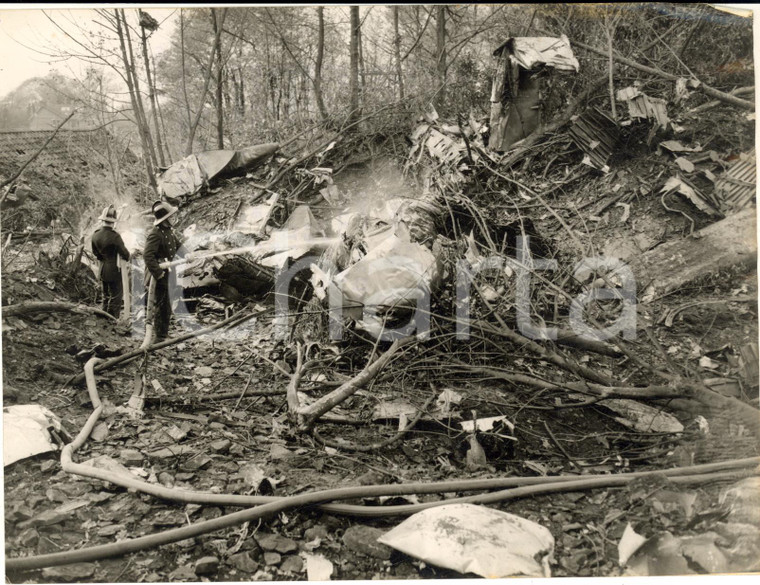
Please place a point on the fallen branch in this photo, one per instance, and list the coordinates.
(709, 105)
(539, 350)
(632, 392)
(310, 414)
(29, 307)
(346, 446)
(234, 320)
(706, 89)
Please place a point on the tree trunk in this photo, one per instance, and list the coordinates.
(362, 72)
(184, 76)
(440, 37)
(152, 96)
(138, 95)
(353, 80)
(128, 70)
(219, 71)
(206, 83)
(397, 53)
(318, 65)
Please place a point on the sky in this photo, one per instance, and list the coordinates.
(24, 31)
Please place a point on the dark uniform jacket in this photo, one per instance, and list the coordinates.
(161, 245)
(106, 243)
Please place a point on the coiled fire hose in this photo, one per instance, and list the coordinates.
(271, 505)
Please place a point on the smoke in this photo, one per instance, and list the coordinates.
(369, 191)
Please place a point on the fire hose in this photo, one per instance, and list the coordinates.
(267, 506)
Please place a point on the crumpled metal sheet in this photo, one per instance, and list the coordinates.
(597, 135)
(737, 187)
(641, 105)
(25, 431)
(213, 162)
(530, 52)
(187, 176)
(475, 539)
(247, 159)
(184, 177)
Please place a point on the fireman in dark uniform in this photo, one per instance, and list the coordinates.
(161, 246)
(106, 244)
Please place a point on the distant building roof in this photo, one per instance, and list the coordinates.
(67, 148)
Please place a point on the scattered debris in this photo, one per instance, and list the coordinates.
(188, 176)
(27, 432)
(475, 539)
(597, 135)
(703, 202)
(318, 568)
(737, 187)
(642, 106)
(629, 543)
(517, 86)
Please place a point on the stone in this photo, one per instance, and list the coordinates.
(318, 531)
(98, 497)
(279, 453)
(99, 433)
(70, 573)
(109, 530)
(363, 539)
(131, 457)
(292, 564)
(200, 461)
(176, 433)
(209, 513)
(242, 561)
(182, 476)
(204, 371)
(19, 513)
(184, 573)
(165, 479)
(29, 538)
(47, 518)
(217, 426)
(46, 466)
(221, 445)
(237, 449)
(272, 558)
(206, 565)
(46, 546)
(56, 495)
(275, 542)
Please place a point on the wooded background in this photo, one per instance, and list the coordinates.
(239, 76)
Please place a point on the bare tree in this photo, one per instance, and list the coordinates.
(318, 64)
(397, 54)
(441, 66)
(206, 82)
(130, 78)
(219, 73)
(147, 22)
(353, 83)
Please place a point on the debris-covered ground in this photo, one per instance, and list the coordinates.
(653, 431)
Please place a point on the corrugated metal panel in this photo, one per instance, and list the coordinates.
(597, 135)
(737, 187)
